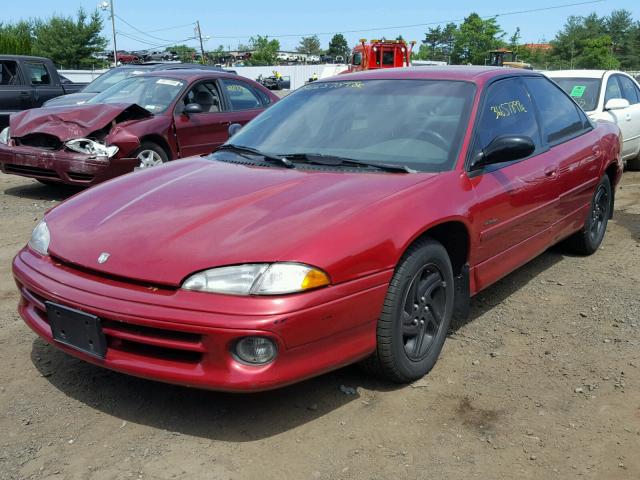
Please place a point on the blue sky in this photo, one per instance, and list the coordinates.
(168, 20)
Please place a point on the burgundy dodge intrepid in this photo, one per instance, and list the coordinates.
(348, 222)
(142, 121)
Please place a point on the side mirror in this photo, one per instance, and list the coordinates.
(504, 148)
(616, 104)
(191, 108)
(233, 129)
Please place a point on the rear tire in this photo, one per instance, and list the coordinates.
(416, 315)
(588, 240)
(634, 163)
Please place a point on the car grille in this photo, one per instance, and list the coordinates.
(175, 346)
(40, 140)
(27, 170)
(80, 177)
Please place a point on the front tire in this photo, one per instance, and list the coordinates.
(588, 240)
(416, 315)
(150, 155)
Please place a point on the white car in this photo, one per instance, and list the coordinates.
(608, 95)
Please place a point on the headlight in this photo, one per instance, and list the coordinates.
(258, 279)
(40, 238)
(91, 147)
(5, 135)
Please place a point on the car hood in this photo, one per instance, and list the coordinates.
(163, 224)
(69, 99)
(74, 121)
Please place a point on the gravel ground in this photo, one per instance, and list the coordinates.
(542, 381)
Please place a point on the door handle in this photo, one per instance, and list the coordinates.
(551, 172)
(24, 94)
(596, 150)
(225, 124)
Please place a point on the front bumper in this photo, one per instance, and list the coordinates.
(186, 338)
(62, 166)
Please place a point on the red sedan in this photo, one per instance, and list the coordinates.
(348, 222)
(142, 121)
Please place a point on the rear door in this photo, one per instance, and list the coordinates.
(42, 81)
(14, 94)
(631, 115)
(622, 117)
(201, 133)
(516, 202)
(572, 140)
(243, 101)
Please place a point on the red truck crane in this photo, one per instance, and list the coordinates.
(380, 54)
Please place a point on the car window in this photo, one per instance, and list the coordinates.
(9, 73)
(204, 94)
(613, 89)
(153, 93)
(561, 118)
(388, 57)
(112, 77)
(240, 95)
(584, 91)
(507, 110)
(357, 59)
(629, 90)
(352, 119)
(38, 73)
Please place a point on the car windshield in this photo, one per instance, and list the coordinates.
(110, 78)
(584, 91)
(413, 123)
(153, 93)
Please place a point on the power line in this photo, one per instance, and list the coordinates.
(141, 31)
(175, 27)
(155, 45)
(396, 27)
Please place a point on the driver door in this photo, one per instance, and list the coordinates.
(201, 133)
(516, 202)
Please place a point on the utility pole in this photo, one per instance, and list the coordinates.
(200, 37)
(104, 5)
(113, 28)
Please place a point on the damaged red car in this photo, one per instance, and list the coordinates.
(349, 222)
(140, 122)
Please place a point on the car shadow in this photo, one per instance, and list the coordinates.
(630, 222)
(39, 191)
(238, 417)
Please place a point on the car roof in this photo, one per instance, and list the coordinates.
(470, 73)
(188, 74)
(577, 73)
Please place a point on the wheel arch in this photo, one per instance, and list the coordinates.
(454, 235)
(613, 173)
(160, 141)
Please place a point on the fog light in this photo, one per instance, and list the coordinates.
(256, 350)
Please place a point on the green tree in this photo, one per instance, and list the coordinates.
(310, 45)
(69, 42)
(338, 46)
(625, 36)
(514, 40)
(264, 51)
(475, 38)
(185, 53)
(16, 39)
(597, 53)
(438, 43)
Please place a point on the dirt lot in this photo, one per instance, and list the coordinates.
(542, 382)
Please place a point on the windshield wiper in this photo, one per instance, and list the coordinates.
(269, 158)
(333, 160)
